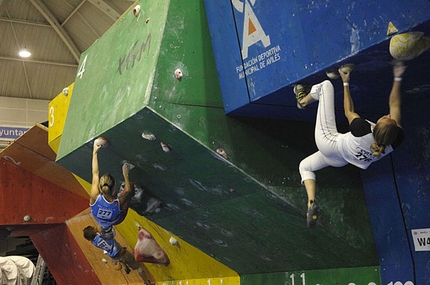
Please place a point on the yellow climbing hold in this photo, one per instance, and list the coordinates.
(391, 29)
(407, 46)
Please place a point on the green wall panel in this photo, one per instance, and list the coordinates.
(115, 75)
(186, 46)
(260, 233)
(350, 276)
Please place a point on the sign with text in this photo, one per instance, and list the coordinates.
(421, 239)
(11, 133)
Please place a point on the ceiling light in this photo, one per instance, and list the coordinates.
(24, 53)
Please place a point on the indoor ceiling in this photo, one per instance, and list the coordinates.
(56, 32)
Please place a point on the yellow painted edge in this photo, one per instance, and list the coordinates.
(203, 281)
(84, 183)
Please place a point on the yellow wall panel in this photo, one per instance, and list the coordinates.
(57, 113)
(85, 184)
(188, 265)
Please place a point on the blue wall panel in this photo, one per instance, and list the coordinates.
(227, 52)
(262, 48)
(391, 235)
(398, 196)
(412, 168)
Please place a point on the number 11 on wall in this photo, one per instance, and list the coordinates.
(302, 276)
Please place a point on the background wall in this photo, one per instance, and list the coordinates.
(22, 112)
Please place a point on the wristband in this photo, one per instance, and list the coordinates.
(397, 79)
(345, 84)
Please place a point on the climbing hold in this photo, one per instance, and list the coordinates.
(391, 29)
(128, 165)
(164, 147)
(101, 141)
(221, 152)
(173, 241)
(148, 136)
(148, 250)
(178, 74)
(407, 46)
(136, 10)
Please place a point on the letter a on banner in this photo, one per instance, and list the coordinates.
(252, 30)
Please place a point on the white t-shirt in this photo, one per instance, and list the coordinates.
(355, 145)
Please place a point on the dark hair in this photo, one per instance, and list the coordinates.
(90, 233)
(106, 184)
(385, 135)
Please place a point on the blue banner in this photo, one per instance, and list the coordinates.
(11, 133)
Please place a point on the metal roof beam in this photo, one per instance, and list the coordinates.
(73, 12)
(62, 33)
(24, 22)
(108, 10)
(40, 61)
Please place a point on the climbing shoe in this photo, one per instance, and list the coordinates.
(301, 92)
(312, 215)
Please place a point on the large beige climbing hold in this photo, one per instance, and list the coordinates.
(407, 46)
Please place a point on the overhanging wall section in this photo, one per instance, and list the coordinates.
(226, 182)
